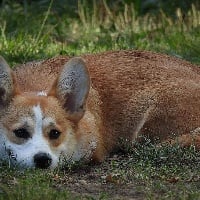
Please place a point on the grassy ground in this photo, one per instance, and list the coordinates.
(41, 30)
(145, 172)
(35, 31)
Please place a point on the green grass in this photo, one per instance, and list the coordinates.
(27, 34)
(41, 30)
(29, 185)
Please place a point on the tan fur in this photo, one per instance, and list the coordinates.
(133, 93)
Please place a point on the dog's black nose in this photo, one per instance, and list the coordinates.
(42, 160)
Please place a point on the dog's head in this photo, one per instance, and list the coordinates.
(39, 130)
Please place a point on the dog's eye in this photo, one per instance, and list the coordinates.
(54, 134)
(21, 133)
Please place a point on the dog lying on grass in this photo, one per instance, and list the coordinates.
(67, 109)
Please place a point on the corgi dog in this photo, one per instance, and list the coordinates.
(68, 109)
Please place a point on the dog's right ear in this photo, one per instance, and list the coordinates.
(72, 88)
(7, 88)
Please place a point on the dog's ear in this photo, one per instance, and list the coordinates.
(72, 88)
(7, 87)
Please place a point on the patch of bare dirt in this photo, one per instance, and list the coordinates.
(108, 180)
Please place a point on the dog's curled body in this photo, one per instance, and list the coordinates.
(124, 94)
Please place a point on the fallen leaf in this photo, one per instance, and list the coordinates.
(112, 178)
(173, 180)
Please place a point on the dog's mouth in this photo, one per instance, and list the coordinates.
(12, 157)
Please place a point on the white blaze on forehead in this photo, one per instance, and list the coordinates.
(38, 119)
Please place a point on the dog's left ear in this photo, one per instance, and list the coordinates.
(8, 87)
(72, 88)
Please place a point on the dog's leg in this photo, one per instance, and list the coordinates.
(186, 140)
